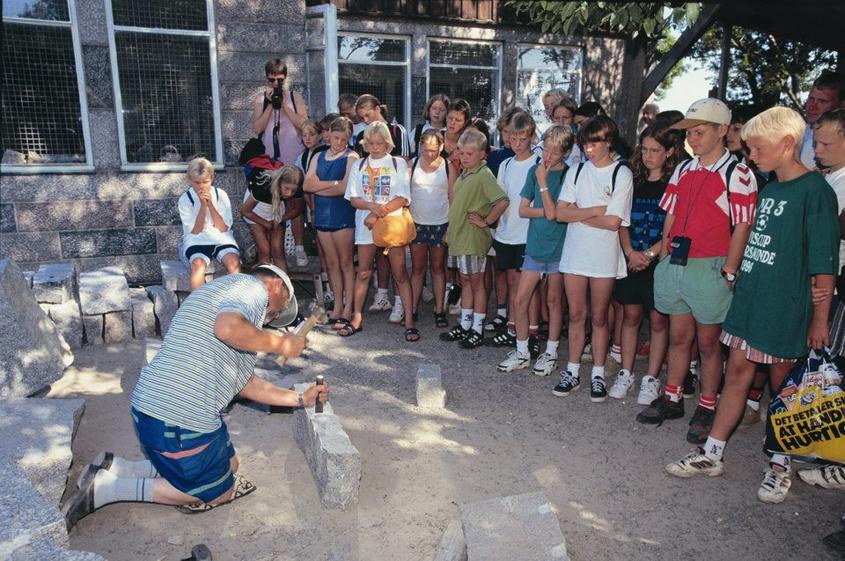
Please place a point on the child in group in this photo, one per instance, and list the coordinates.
(477, 202)
(564, 112)
(325, 123)
(457, 120)
(544, 243)
(334, 216)
(653, 164)
(431, 176)
(773, 319)
(551, 99)
(434, 117)
(311, 134)
(596, 202)
(378, 186)
(206, 216)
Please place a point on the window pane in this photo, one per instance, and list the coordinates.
(165, 83)
(542, 69)
(163, 14)
(54, 10)
(478, 87)
(387, 83)
(40, 116)
(370, 49)
(550, 58)
(466, 54)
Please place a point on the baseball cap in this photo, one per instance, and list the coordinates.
(289, 314)
(707, 110)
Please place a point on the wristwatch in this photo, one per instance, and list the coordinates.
(301, 400)
(649, 254)
(336, 183)
(730, 277)
(543, 189)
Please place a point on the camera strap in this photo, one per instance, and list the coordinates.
(277, 151)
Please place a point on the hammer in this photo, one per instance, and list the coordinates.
(318, 315)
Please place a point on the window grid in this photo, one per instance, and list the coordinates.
(534, 79)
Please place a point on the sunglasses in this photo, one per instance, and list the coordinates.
(274, 80)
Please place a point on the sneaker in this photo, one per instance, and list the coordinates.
(515, 361)
(649, 390)
(828, 477)
(700, 424)
(545, 365)
(750, 417)
(381, 303)
(775, 486)
(427, 295)
(661, 409)
(568, 384)
(615, 356)
(397, 314)
(457, 333)
(695, 463)
(690, 384)
(81, 503)
(534, 346)
(598, 389)
(623, 384)
(329, 298)
(301, 258)
(497, 325)
(473, 340)
(503, 339)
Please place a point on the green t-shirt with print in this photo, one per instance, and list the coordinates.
(795, 236)
(476, 190)
(545, 237)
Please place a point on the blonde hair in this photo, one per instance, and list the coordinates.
(776, 123)
(474, 137)
(559, 136)
(557, 94)
(378, 128)
(200, 168)
(285, 175)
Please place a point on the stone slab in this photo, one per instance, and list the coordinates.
(55, 283)
(174, 275)
(68, 320)
(430, 392)
(93, 329)
(165, 305)
(31, 350)
(37, 435)
(514, 528)
(117, 327)
(151, 348)
(104, 290)
(334, 461)
(452, 545)
(143, 314)
(42, 549)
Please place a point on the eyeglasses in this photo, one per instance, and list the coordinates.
(274, 80)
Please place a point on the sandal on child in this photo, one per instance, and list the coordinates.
(340, 323)
(440, 320)
(349, 330)
(242, 487)
(412, 334)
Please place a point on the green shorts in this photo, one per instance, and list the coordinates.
(697, 288)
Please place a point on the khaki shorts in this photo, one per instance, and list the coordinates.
(697, 288)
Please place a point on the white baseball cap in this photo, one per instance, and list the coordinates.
(707, 110)
(289, 314)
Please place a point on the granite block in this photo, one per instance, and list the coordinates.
(7, 218)
(165, 305)
(55, 283)
(26, 515)
(31, 246)
(68, 320)
(99, 243)
(157, 212)
(93, 326)
(169, 240)
(73, 215)
(143, 314)
(117, 327)
(103, 291)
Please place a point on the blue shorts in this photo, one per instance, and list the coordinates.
(206, 475)
(550, 268)
(210, 251)
(431, 235)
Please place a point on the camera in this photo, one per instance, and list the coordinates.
(277, 96)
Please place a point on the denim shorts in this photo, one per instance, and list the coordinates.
(431, 235)
(550, 268)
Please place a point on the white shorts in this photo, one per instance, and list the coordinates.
(263, 210)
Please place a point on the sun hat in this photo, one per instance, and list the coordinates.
(289, 314)
(707, 110)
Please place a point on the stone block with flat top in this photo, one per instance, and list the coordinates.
(104, 290)
(176, 277)
(93, 326)
(117, 327)
(165, 305)
(26, 515)
(55, 283)
(143, 314)
(68, 320)
(430, 392)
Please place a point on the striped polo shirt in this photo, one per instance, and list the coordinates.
(195, 375)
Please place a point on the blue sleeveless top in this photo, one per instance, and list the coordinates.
(332, 212)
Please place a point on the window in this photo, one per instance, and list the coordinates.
(540, 69)
(164, 64)
(377, 65)
(44, 110)
(468, 70)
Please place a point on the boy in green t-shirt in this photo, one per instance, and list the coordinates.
(476, 203)
(792, 249)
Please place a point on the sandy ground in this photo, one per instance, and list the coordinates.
(500, 435)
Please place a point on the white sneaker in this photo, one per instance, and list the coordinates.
(828, 477)
(397, 314)
(695, 463)
(649, 390)
(380, 304)
(623, 384)
(301, 258)
(617, 357)
(515, 361)
(427, 295)
(545, 364)
(775, 486)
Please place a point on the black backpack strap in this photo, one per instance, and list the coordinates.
(414, 166)
(578, 172)
(190, 198)
(292, 101)
(728, 173)
(361, 164)
(619, 164)
(417, 135)
(393, 159)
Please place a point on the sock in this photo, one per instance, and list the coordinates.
(397, 301)
(109, 488)
(551, 347)
(781, 461)
(573, 368)
(511, 328)
(128, 468)
(707, 402)
(755, 405)
(478, 322)
(693, 366)
(616, 349)
(381, 293)
(714, 449)
(502, 310)
(466, 318)
(299, 248)
(533, 329)
(674, 393)
(598, 372)
(522, 347)
(324, 277)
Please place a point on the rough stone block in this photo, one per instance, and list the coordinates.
(26, 515)
(42, 549)
(430, 392)
(103, 291)
(514, 528)
(100, 243)
(181, 296)
(143, 314)
(151, 348)
(31, 351)
(334, 461)
(68, 320)
(7, 218)
(37, 435)
(93, 326)
(174, 275)
(117, 327)
(30, 246)
(165, 305)
(157, 212)
(55, 283)
(73, 215)
(452, 545)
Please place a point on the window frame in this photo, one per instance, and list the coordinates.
(211, 35)
(405, 121)
(64, 167)
(580, 82)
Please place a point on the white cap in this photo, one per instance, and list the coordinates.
(289, 314)
(707, 110)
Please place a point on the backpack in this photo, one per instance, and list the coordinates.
(728, 173)
(258, 172)
(537, 160)
(191, 198)
(619, 164)
(253, 148)
(364, 161)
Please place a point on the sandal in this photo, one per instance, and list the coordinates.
(340, 323)
(242, 488)
(349, 330)
(440, 319)
(332, 321)
(412, 334)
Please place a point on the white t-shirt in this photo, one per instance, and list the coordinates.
(513, 229)
(430, 192)
(589, 251)
(808, 151)
(189, 208)
(390, 182)
(837, 181)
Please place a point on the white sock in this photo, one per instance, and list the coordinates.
(397, 301)
(299, 248)
(616, 349)
(551, 348)
(522, 347)
(502, 310)
(782, 461)
(466, 318)
(381, 293)
(109, 488)
(714, 449)
(598, 372)
(573, 368)
(128, 468)
(478, 322)
(755, 405)
(693, 366)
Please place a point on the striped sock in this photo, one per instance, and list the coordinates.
(707, 402)
(109, 488)
(674, 393)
